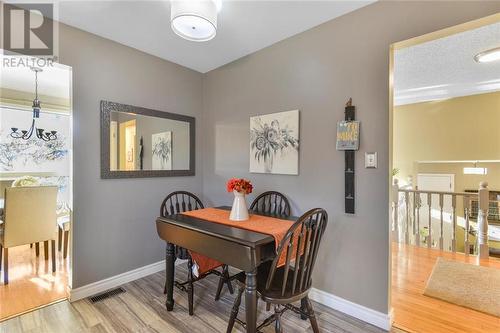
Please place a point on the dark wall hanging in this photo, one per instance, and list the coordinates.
(348, 140)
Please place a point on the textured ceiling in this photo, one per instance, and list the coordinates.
(445, 68)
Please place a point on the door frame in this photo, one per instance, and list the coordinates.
(487, 20)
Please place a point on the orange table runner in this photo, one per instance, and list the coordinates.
(266, 225)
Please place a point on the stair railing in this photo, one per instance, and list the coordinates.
(408, 222)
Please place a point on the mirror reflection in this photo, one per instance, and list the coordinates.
(140, 142)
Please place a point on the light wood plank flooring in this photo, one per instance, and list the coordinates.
(141, 309)
(414, 312)
(31, 281)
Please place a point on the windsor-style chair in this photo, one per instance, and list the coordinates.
(268, 203)
(271, 203)
(283, 285)
(176, 203)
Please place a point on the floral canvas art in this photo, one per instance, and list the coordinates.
(274, 143)
(162, 150)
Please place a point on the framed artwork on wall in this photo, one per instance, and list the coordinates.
(162, 150)
(274, 143)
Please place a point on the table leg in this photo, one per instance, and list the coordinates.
(251, 301)
(169, 271)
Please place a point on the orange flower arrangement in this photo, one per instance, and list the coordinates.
(239, 185)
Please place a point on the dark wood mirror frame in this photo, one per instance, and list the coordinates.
(106, 173)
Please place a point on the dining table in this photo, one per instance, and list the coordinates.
(236, 247)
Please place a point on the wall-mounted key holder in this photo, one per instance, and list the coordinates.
(348, 140)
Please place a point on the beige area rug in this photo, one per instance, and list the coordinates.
(467, 285)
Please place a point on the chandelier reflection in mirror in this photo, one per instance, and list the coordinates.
(39, 132)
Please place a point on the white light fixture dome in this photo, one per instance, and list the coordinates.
(195, 20)
(488, 56)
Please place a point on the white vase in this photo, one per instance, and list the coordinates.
(239, 211)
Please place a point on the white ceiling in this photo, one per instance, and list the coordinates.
(445, 68)
(243, 26)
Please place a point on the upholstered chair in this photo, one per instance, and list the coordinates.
(29, 217)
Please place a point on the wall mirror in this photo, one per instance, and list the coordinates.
(138, 142)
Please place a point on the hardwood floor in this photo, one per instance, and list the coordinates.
(141, 309)
(31, 281)
(414, 312)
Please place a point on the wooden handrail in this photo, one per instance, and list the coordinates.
(464, 194)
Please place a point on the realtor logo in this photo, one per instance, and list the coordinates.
(28, 28)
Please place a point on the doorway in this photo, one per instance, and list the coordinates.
(127, 145)
(36, 268)
(438, 158)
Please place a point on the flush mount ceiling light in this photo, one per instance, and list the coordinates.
(475, 171)
(195, 20)
(488, 56)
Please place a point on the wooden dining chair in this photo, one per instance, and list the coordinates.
(267, 203)
(291, 282)
(176, 203)
(271, 203)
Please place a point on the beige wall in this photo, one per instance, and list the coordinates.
(465, 182)
(316, 72)
(462, 128)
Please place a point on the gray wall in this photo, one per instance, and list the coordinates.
(316, 72)
(114, 228)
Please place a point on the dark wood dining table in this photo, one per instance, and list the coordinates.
(239, 248)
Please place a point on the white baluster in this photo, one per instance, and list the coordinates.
(467, 225)
(395, 210)
(415, 222)
(441, 221)
(482, 220)
(429, 232)
(454, 219)
(407, 220)
(417, 207)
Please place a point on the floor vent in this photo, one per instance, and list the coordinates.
(106, 294)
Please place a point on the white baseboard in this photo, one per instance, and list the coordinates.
(115, 281)
(379, 319)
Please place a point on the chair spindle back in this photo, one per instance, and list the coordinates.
(300, 245)
(180, 202)
(271, 202)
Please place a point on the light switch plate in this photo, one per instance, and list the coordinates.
(371, 160)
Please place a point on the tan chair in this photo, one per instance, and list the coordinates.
(29, 217)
